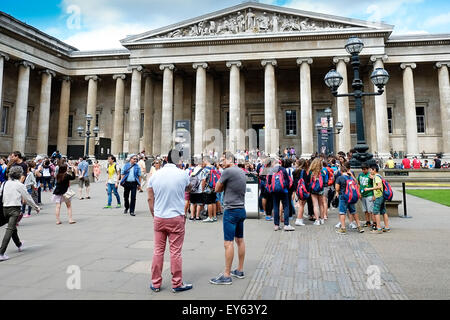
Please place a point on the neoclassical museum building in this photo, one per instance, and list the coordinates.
(248, 76)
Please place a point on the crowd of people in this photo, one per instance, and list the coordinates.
(290, 188)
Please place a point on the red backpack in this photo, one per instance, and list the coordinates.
(302, 192)
(330, 176)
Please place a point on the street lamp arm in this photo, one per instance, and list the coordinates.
(366, 94)
(343, 94)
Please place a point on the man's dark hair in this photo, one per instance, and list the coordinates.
(364, 166)
(173, 156)
(17, 154)
(375, 167)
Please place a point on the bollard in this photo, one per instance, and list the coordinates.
(405, 213)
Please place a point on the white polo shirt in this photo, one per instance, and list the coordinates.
(169, 184)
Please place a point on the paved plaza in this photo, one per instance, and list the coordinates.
(114, 252)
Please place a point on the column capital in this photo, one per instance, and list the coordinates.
(304, 60)
(26, 64)
(4, 55)
(336, 60)
(271, 61)
(203, 65)
(49, 72)
(169, 66)
(91, 77)
(440, 64)
(383, 58)
(137, 67)
(65, 78)
(411, 65)
(235, 63)
(119, 75)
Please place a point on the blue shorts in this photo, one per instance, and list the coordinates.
(344, 206)
(233, 224)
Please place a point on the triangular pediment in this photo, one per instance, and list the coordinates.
(249, 19)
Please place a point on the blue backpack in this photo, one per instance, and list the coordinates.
(277, 184)
(316, 183)
(351, 192)
(214, 177)
(302, 192)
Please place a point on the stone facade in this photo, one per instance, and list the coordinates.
(245, 67)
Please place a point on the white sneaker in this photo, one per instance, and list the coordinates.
(353, 225)
(338, 225)
(3, 257)
(317, 222)
(289, 228)
(208, 220)
(322, 221)
(299, 222)
(22, 247)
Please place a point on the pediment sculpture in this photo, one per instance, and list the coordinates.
(252, 21)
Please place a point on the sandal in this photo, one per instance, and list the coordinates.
(59, 222)
(81, 198)
(72, 222)
(88, 197)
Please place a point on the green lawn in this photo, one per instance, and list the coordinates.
(441, 196)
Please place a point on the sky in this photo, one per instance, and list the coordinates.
(100, 24)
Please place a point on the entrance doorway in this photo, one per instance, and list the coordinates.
(259, 128)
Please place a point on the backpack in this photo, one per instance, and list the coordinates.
(277, 184)
(214, 177)
(351, 192)
(388, 194)
(194, 182)
(324, 173)
(330, 176)
(301, 191)
(316, 183)
(46, 172)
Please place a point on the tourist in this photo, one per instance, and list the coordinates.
(326, 176)
(300, 173)
(166, 190)
(130, 180)
(196, 197)
(344, 206)
(390, 164)
(437, 163)
(416, 163)
(406, 163)
(279, 183)
(155, 167)
(113, 181)
(96, 171)
(13, 191)
(16, 159)
(46, 176)
(83, 177)
(65, 174)
(365, 182)
(3, 167)
(233, 184)
(31, 186)
(379, 204)
(219, 195)
(209, 173)
(315, 186)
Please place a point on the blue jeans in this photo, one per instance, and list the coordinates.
(30, 191)
(112, 188)
(284, 198)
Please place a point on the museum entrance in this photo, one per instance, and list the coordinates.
(259, 128)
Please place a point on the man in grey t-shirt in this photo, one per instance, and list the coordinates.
(233, 183)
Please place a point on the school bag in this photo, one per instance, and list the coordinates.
(214, 177)
(351, 192)
(330, 176)
(194, 181)
(388, 194)
(301, 191)
(316, 183)
(277, 184)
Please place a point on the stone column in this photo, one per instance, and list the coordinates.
(134, 122)
(209, 113)
(243, 117)
(44, 112)
(3, 57)
(444, 97)
(235, 105)
(306, 121)
(270, 145)
(20, 120)
(167, 108)
(91, 109)
(343, 109)
(381, 115)
(200, 107)
(117, 141)
(409, 100)
(178, 98)
(157, 100)
(148, 113)
(63, 120)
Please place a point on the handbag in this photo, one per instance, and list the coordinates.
(69, 194)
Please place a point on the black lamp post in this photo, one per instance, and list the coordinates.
(379, 78)
(80, 130)
(339, 126)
